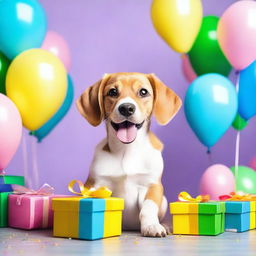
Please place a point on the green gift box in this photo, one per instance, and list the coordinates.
(4, 209)
(192, 218)
(5, 189)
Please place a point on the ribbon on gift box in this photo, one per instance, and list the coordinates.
(186, 197)
(102, 192)
(238, 197)
(45, 191)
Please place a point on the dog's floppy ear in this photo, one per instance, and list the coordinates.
(89, 104)
(166, 102)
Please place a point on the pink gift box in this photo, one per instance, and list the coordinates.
(28, 211)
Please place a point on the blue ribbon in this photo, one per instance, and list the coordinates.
(4, 187)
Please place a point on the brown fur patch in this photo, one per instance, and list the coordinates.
(156, 143)
(155, 193)
(89, 104)
(106, 148)
(89, 183)
(166, 102)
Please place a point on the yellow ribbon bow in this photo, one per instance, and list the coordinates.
(186, 197)
(102, 192)
(241, 197)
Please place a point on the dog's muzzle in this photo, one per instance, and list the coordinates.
(126, 109)
(126, 131)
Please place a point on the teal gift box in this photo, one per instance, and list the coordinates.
(238, 216)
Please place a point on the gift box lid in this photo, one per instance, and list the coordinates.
(183, 207)
(253, 206)
(212, 207)
(114, 203)
(237, 207)
(201, 208)
(87, 204)
(12, 179)
(30, 196)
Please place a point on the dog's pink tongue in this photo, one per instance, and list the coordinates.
(127, 134)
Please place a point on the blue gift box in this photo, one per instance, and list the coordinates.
(7, 180)
(237, 217)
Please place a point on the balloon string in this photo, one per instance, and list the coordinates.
(237, 81)
(209, 153)
(35, 163)
(25, 161)
(237, 155)
(237, 139)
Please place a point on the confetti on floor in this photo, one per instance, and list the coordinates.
(41, 242)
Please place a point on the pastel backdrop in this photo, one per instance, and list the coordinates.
(111, 36)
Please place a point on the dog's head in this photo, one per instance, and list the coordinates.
(127, 101)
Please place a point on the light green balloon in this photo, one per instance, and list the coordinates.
(245, 180)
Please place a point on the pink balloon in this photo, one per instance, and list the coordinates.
(237, 33)
(57, 45)
(217, 180)
(252, 163)
(188, 71)
(10, 130)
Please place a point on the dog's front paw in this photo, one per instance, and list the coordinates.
(153, 230)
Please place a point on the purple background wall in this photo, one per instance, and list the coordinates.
(111, 36)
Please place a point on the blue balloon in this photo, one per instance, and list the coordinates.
(210, 107)
(247, 92)
(48, 127)
(22, 26)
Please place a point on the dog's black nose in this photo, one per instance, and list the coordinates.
(126, 109)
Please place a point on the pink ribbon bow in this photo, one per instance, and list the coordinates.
(46, 189)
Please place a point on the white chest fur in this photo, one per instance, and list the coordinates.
(137, 163)
(128, 170)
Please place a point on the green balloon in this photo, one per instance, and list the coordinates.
(205, 55)
(4, 64)
(239, 123)
(245, 180)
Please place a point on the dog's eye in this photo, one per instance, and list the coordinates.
(143, 92)
(113, 92)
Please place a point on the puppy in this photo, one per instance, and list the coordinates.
(129, 159)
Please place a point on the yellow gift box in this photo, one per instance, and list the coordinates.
(88, 217)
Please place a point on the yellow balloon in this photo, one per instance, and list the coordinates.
(36, 82)
(177, 22)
